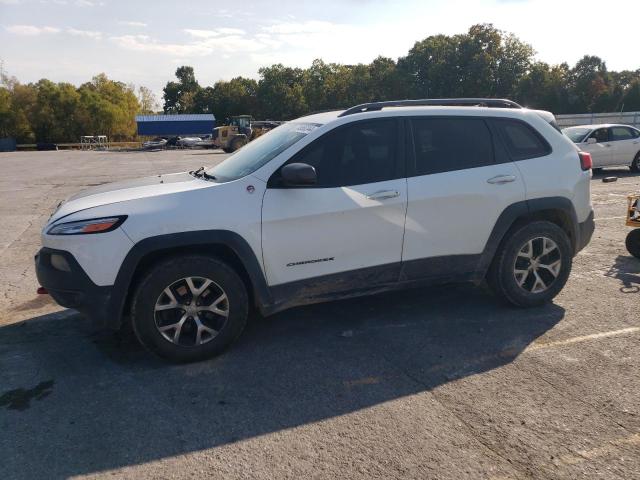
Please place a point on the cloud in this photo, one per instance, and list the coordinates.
(206, 42)
(129, 23)
(144, 43)
(310, 26)
(84, 33)
(9, 2)
(31, 30)
(213, 33)
(88, 3)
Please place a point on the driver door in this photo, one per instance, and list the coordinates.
(344, 232)
(601, 151)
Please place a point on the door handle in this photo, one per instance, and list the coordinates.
(500, 179)
(383, 194)
(607, 145)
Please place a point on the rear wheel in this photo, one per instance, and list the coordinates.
(189, 308)
(635, 165)
(532, 264)
(632, 242)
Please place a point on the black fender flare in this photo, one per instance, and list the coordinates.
(199, 238)
(522, 209)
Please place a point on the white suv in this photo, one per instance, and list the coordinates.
(332, 205)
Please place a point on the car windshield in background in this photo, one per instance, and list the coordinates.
(575, 134)
(257, 153)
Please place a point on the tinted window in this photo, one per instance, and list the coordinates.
(621, 133)
(446, 144)
(521, 140)
(601, 135)
(364, 152)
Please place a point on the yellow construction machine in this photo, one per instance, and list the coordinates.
(633, 220)
(240, 130)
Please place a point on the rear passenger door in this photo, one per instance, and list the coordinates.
(625, 145)
(458, 185)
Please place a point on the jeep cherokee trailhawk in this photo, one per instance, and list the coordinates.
(380, 196)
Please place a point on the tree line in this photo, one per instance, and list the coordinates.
(483, 62)
(45, 111)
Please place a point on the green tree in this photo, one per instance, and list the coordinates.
(181, 96)
(239, 96)
(590, 85)
(281, 92)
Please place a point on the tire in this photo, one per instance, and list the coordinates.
(227, 150)
(207, 312)
(635, 165)
(237, 143)
(632, 242)
(524, 289)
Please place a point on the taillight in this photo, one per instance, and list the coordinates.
(585, 160)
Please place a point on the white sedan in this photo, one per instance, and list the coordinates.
(610, 145)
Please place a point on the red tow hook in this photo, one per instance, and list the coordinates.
(42, 291)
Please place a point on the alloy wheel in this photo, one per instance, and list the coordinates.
(537, 264)
(191, 311)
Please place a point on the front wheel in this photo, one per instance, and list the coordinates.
(635, 165)
(237, 143)
(189, 308)
(532, 264)
(632, 242)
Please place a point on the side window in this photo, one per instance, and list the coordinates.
(521, 140)
(621, 133)
(447, 144)
(601, 135)
(635, 133)
(363, 152)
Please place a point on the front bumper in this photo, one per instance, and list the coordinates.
(585, 232)
(59, 272)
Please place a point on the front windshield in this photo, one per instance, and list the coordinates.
(260, 151)
(576, 134)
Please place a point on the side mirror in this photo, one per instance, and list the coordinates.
(591, 141)
(298, 174)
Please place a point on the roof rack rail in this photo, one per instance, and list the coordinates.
(448, 102)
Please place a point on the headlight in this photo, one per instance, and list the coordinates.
(81, 227)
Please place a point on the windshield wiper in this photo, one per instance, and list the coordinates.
(196, 173)
(200, 173)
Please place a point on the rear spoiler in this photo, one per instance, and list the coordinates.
(549, 118)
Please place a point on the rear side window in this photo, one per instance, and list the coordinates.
(621, 133)
(521, 140)
(447, 144)
(360, 153)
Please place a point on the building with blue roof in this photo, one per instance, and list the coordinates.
(175, 125)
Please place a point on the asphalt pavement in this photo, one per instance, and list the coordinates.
(445, 382)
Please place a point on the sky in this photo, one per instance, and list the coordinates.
(143, 41)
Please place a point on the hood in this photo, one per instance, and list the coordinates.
(128, 190)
